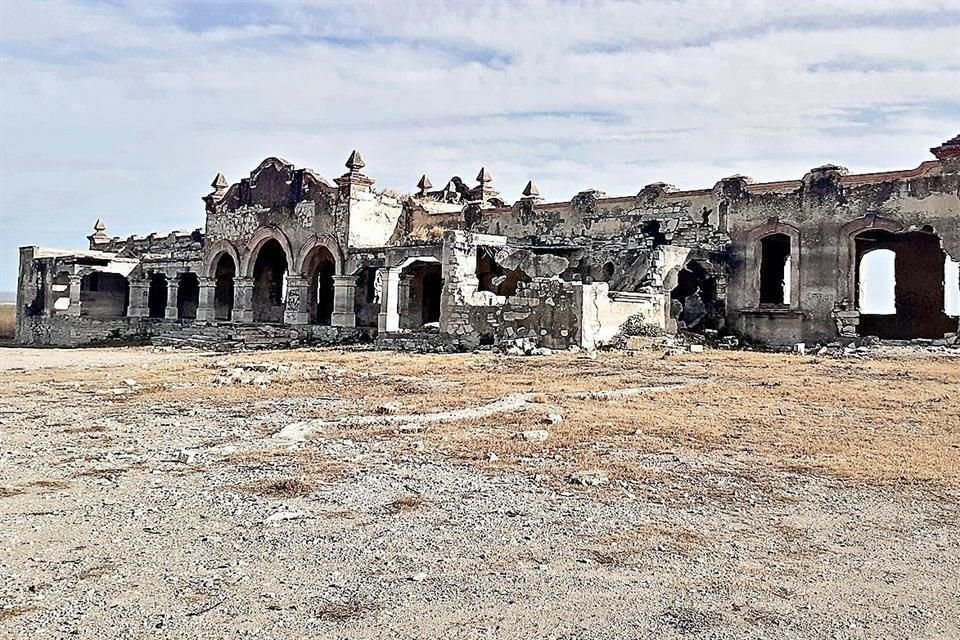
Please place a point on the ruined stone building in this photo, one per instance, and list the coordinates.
(285, 254)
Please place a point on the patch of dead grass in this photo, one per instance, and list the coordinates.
(281, 488)
(97, 571)
(7, 613)
(341, 611)
(407, 503)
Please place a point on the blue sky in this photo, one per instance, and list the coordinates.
(126, 111)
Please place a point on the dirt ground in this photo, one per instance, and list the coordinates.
(356, 494)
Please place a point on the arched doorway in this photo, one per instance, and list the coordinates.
(224, 274)
(188, 296)
(269, 282)
(157, 299)
(319, 269)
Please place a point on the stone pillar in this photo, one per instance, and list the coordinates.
(173, 285)
(296, 310)
(344, 301)
(74, 308)
(403, 303)
(139, 296)
(242, 300)
(389, 318)
(206, 307)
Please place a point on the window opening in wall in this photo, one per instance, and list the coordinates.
(651, 229)
(60, 287)
(608, 271)
(775, 270)
(878, 283)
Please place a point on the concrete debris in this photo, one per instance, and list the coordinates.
(524, 347)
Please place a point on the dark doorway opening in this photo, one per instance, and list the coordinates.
(693, 302)
(319, 270)
(223, 288)
(188, 296)
(269, 283)
(157, 298)
(775, 270)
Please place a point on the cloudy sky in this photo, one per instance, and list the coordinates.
(126, 111)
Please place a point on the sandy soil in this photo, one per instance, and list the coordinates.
(339, 494)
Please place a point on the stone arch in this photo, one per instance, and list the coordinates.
(257, 241)
(269, 271)
(754, 254)
(224, 272)
(847, 259)
(215, 252)
(310, 245)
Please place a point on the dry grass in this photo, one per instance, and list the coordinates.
(404, 504)
(97, 571)
(282, 488)
(341, 611)
(6, 613)
(8, 321)
(886, 419)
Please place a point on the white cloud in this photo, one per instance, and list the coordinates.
(126, 111)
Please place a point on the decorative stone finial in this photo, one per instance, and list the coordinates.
(484, 176)
(424, 185)
(355, 161)
(220, 182)
(531, 191)
(99, 234)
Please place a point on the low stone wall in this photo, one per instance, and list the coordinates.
(76, 331)
(79, 331)
(422, 342)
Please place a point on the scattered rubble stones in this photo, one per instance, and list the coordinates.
(589, 478)
(534, 435)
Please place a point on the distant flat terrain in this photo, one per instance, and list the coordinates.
(351, 494)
